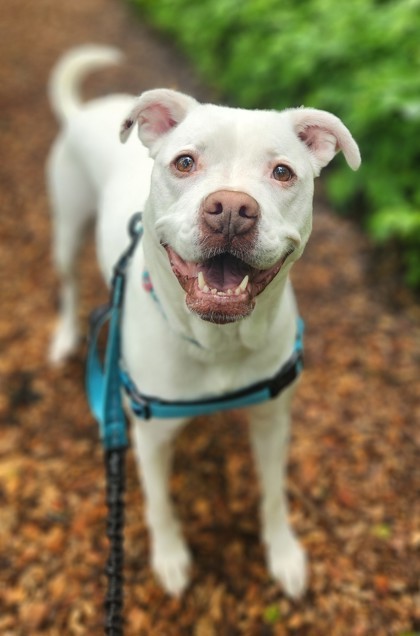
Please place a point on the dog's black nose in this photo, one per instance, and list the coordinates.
(230, 213)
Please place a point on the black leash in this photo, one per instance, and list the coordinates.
(115, 487)
(104, 394)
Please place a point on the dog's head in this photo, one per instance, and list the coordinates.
(232, 192)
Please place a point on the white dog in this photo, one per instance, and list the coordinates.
(227, 200)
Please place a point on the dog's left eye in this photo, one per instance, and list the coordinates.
(282, 173)
(184, 163)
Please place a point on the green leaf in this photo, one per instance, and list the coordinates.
(398, 222)
(382, 531)
(272, 614)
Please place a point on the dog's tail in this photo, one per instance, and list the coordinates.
(67, 75)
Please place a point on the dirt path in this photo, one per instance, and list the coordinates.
(354, 468)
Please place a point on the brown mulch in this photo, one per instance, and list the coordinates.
(354, 464)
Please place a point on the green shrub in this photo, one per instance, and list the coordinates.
(360, 60)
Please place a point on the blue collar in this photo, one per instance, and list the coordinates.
(104, 381)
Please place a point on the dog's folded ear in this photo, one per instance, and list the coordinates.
(156, 112)
(324, 135)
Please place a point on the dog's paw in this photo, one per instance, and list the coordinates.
(288, 565)
(63, 344)
(171, 565)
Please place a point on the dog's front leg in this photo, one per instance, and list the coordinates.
(269, 426)
(170, 555)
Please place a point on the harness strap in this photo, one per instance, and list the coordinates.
(103, 384)
(147, 407)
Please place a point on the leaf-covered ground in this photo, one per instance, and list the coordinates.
(354, 465)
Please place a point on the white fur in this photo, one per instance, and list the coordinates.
(90, 170)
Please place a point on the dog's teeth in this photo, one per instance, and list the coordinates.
(244, 283)
(206, 289)
(201, 281)
(214, 292)
(229, 292)
(242, 287)
(221, 293)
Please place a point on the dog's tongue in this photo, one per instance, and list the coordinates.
(224, 271)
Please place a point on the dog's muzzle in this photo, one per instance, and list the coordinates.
(223, 286)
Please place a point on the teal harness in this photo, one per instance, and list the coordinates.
(105, 381)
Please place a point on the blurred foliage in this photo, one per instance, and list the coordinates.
(360, 60)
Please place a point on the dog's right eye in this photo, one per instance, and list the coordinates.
(282, 173)
(184, 163)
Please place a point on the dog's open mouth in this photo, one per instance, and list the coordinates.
(223, 288)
